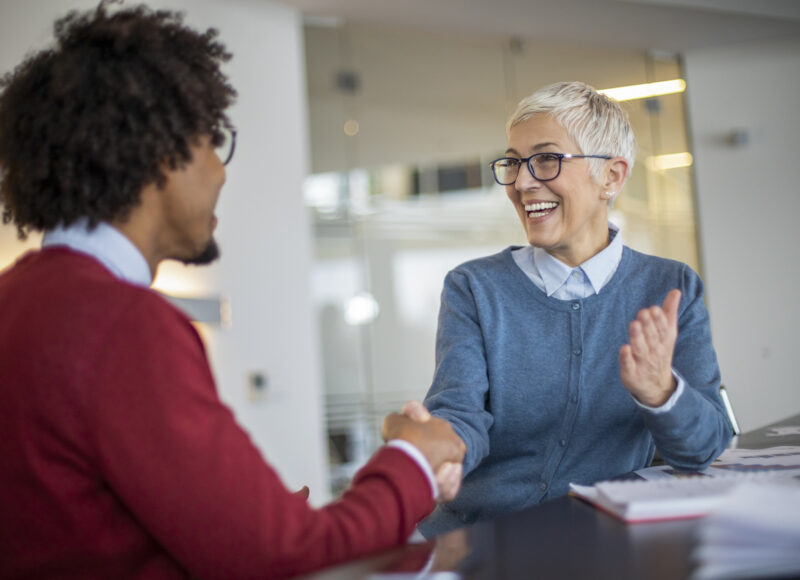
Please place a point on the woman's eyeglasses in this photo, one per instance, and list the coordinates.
(543, 166)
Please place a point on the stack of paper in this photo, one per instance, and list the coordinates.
(753, 532)
(664, 499)
(784, 459)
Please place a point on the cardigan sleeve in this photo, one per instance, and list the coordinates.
(177, 460)
(696, 429)
(460, 383)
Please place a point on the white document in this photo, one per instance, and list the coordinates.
(785, 459)
(636, 501)
(753, 533)
(783, 431)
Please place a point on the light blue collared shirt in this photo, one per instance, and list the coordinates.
(559, 281)
(105, 244)
(556, 279)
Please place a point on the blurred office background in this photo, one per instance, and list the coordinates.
(361, 177)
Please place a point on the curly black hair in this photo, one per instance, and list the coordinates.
(86, 124)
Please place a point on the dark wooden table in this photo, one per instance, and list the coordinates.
(564, 538)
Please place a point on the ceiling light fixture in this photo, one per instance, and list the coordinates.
(646, 90)
(670, 161)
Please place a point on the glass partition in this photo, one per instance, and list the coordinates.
(394, 208)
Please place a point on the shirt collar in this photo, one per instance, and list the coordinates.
(598, 269)
(107, 245)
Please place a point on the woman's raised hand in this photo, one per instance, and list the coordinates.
(646, 362)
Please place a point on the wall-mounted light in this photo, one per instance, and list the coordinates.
(645, 91)
(351, 128)
(361, 309)
(670, 161)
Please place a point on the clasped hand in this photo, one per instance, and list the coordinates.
(646, 362)
(437, 441)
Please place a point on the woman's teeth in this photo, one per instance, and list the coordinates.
(540, 209)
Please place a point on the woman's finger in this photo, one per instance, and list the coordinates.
(650, 330)
(638, 342)
(670, 307)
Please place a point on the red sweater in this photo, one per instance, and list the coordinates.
(118, 460)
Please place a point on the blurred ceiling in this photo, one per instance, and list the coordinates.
(673, 26)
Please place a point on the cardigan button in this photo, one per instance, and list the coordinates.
(543, 486)
(576, 305)
(577, 352)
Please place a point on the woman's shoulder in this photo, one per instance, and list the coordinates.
(492, 267)
(493, 262)
(655, 272)
(641, 261)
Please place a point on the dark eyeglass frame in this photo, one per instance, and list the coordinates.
(232, 132)
(527, 160)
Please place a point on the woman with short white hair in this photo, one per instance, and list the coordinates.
(574, 358)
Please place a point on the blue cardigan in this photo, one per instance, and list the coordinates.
(532, 385)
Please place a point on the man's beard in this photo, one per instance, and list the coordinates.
(208, 255)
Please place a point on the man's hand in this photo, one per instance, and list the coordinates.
(434, 437)
(439, 443)
(646, 363)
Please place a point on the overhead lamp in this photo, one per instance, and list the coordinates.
(670, 161)
(646, 90)
(361, 309)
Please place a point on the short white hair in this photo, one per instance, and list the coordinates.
(597, 123)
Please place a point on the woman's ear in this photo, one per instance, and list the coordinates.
(615, 175)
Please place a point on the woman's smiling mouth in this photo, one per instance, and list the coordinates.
(541, 209)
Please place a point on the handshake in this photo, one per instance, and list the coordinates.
(435, 439)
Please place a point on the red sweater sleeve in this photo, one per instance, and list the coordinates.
(180, 463)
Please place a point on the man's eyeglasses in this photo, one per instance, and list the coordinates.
(224, 143)
(543, 166)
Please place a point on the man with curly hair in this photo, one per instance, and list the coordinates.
(118, 458)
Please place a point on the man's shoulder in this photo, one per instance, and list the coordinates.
(75, 284)
(84, 318)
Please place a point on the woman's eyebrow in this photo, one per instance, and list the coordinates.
(544, 145)
(536, 147)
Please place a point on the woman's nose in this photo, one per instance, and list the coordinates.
(525, 179)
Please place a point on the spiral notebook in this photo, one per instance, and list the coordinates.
(635, 501)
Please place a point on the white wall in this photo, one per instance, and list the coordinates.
(263, 231)
(749, 204)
